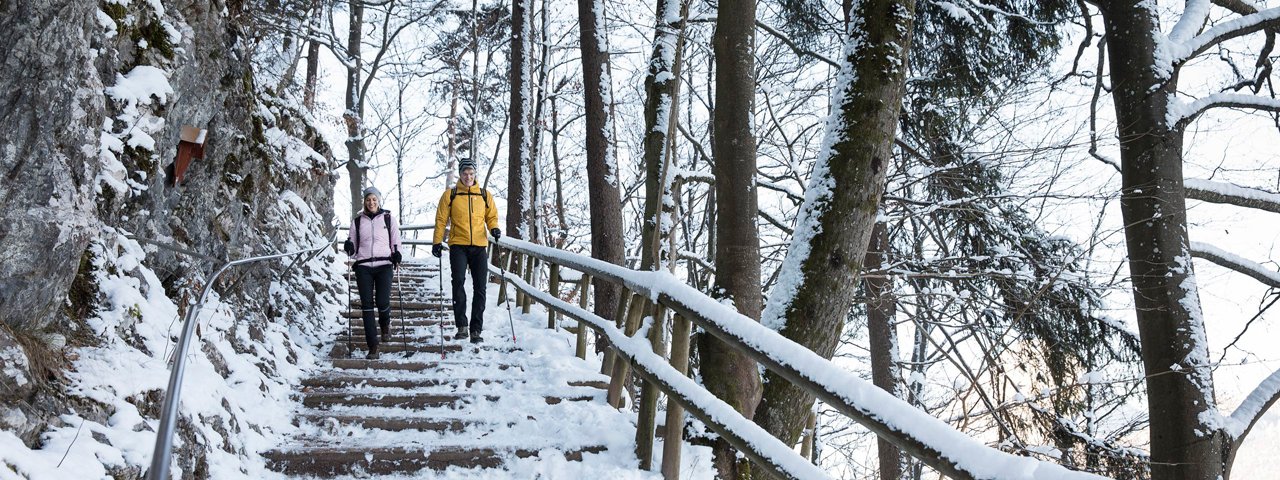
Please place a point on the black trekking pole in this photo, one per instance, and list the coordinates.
(510, 321)
(440, 274)
(400, 294)
(350, 333)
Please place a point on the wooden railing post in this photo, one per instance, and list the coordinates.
(581, 348)
(504, 261)
(681, 330)
(621, 369)
(606, 367)
(530, 266)
(649, 392)
(553, 288)
(517, 267)
(810, 430)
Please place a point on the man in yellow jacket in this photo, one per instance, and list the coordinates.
(468, 210)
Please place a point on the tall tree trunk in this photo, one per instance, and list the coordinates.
(354, 114)
(820, 274)
(313, 60)
(1180, 394)
(518, 176)
(605, 199)
(451, 154)
(882, 307)
(727, 373)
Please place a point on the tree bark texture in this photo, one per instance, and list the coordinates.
(882, 307)
(1153, 205)
(726, 373)
(605, 200)
(518, 205)
(354, 114)
(820, 275)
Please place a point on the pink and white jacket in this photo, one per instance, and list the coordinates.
(373, 237)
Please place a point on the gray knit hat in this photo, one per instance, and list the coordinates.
(466, 163)
(372, 191)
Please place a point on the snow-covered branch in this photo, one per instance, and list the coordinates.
(1236, 263)
(1251, 409)
(1221, 192)
(1182, 113)
(1252, 23)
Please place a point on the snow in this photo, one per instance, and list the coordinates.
(639, 350)
(135, 325)
(1255, 269)
(863, 397)
(1231, 190)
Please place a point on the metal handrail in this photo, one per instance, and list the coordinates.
(169, 415)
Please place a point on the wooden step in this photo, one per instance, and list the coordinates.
(340, 350)
(394, 423)
(333, 461)
(416, 401)
(412, 304)
(357, 381)
(394, 364)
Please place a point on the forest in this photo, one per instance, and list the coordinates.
(989, 208)
(1048, 224)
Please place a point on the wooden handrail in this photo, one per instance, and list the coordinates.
(949, 451)
(747, 437)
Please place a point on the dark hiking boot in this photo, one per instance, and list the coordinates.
(462, 335)
(373, 353)
(475, 338)
(386, 337)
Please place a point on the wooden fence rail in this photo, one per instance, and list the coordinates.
(935, 443)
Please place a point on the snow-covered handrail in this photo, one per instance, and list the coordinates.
(932, 441)
(169, 414)
(749, 438)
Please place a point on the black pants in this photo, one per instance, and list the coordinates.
(374, 282)
(461, 258)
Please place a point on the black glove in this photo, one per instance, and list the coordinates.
(496, 233)
(395, 258)
(349, 247)
(436, 249)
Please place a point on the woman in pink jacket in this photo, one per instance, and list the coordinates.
(376, 251)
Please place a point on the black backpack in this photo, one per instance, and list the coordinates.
(483, 194)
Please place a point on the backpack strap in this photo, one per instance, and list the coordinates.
(387, 219)
(355, 226)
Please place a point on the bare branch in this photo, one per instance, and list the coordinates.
(1263, 20)
(1181, 114)
(1221, 192)
(796, 48)
(1236, 263)
(1251, 409)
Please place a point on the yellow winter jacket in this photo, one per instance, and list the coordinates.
(470, 214)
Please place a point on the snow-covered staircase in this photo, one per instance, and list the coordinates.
(495, 407)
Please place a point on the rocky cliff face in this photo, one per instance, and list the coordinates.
(92, 99)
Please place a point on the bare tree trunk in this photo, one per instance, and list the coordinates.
(605, 199)
(562, 224)
(518, 176)
(452, 152)
(820, 275)
(883, 335)
(354, 114)
(728, 374)
(1174, 352)
(313, 61)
